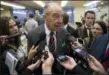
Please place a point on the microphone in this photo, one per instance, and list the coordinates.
(14, 35)
(81, 53)
(70, 37)
(41, 42)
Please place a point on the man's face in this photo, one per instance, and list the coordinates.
(89, 19)
(54, 19)
(96, 30)
(12, 27)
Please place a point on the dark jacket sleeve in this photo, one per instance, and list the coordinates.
(27, 72)
(78, 70)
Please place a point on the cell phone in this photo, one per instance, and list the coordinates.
(62, 58)
(82, 53)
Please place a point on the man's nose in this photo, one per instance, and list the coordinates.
(60, 20)
(94, 30)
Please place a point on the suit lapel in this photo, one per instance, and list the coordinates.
(60, 44)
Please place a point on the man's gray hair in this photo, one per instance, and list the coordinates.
(49, 5)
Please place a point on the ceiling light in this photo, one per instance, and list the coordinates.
(63, 3)
(39, 3)
(69, 12)
(12, 5)
(90, 3)
(102, 3)
(19, 12)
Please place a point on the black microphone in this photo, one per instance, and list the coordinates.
(41, 42)
(14, 35)
(71, 39)
(79, 52)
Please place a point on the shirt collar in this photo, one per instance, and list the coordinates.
(65, 26)
(47, 31)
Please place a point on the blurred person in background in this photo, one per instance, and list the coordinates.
(12, 45)
(66, 25)
(89, 19)
(100, 50)
(31, 23)
(78, 27)
(39, 18)
(16, 19)
(99, 28)
(22, 29)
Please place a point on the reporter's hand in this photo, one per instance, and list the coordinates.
(68, 64)
(3, 39)
(95, 65)
(35, 65)
(76, 44)
(47, 64)
(32, 52)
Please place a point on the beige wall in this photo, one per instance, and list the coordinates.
(103, 10)
(79, 12)
(5, 12)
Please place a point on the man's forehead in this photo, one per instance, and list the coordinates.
(90, 14)
(55, 10)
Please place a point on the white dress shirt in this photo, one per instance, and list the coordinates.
(65, 26)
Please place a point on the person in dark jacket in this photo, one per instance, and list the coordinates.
(70, 29)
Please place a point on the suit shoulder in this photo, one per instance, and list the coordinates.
(70, 26)
(103, 36)
(36, 31)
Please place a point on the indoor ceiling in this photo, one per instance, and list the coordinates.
(31, 4)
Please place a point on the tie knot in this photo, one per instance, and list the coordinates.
(52, 33)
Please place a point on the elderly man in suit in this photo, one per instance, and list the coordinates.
(55, 35)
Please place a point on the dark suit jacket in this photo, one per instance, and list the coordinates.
(62, 46)
(98, 47)
(83, 32)
(72, 31)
